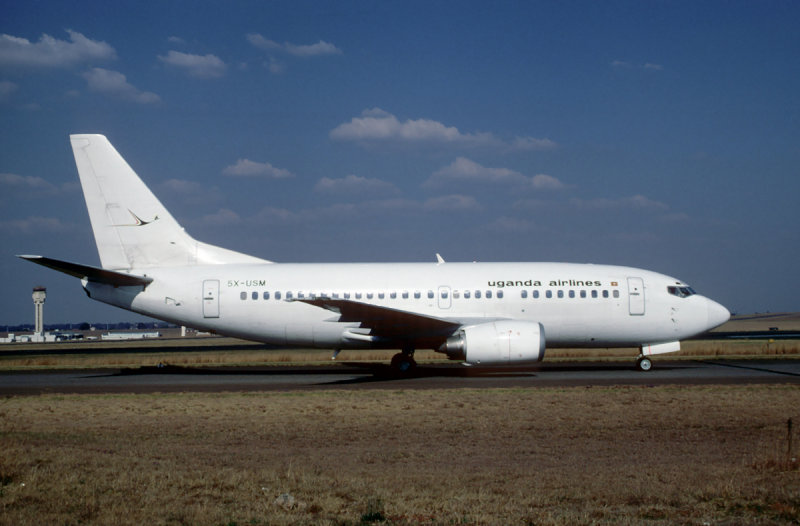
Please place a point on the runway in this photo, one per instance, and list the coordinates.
(354, 375)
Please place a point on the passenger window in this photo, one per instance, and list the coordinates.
(300, 295)
(524, 294)
(266, 295)
(477, 294)
(572, 294)
(444, 294)
(456, 294)
(616, 294)
(381, 295)
(243, 295)
(277, 295)
(254, 295)
(347, 295)
(288, 295)
(335, 295)
(583, 294)
(560, 293)
(393, 295)
(417, 294)
(358, 295)
(536, 294)
(405, 294)
(605, 293)
(594, 293)
(466, 294)
(488, 294)
(549, 293)
(499, 294)
(430, 294)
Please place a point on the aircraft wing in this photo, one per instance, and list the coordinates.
(385, 322)
(95, 274)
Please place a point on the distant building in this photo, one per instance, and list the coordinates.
(138, 335)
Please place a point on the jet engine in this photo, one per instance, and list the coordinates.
(503, 342)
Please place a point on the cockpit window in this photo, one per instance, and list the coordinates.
(681, 292)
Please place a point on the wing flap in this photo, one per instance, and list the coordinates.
(385, 322)
(95, 274)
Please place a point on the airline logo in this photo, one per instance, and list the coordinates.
(138, 221)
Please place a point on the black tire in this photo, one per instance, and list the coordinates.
(403, 364)
(644, 364)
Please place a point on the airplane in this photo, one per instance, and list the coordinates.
(485, 314)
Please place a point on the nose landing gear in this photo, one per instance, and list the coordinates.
(643, 363)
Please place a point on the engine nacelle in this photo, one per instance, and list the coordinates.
(504, 342)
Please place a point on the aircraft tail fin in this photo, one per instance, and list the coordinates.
(131, 227)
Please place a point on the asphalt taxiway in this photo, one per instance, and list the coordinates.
(354, 375)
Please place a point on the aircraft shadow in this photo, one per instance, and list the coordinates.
(369, 372)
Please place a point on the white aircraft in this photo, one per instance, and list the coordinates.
(477, 313)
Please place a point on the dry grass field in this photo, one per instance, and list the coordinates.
(629, 455)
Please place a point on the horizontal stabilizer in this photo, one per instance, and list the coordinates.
(95, 274)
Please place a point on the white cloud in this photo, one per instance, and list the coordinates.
(353, 184)
(34, 225)
(6, 89)
(114, 84)
(532, 144)
(649, 66)
(275, 66)
(259, 41)
(272, 215)
(175, 40)
(453, 202)
(182, 186)
(51, 52)
(248, 168)
(631, 202)
(321, 48)
(26, 182)
(378, 125)
(202, 66)
(222, 217)
(192, 192)
(467, 171)
(312, 50)
(463, 169)
(546, 182)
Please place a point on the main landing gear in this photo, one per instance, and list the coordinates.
(643, 363)
(403, 362)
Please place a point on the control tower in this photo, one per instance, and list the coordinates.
(39, 295)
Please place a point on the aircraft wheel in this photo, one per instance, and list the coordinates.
(403, 363)
(644, 364)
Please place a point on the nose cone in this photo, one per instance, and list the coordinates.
(717, 314)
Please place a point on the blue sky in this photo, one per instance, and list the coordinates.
(663, 135)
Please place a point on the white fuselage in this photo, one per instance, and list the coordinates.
(578, 305)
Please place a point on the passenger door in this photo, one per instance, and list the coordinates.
(211, 298)
(636, 296)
